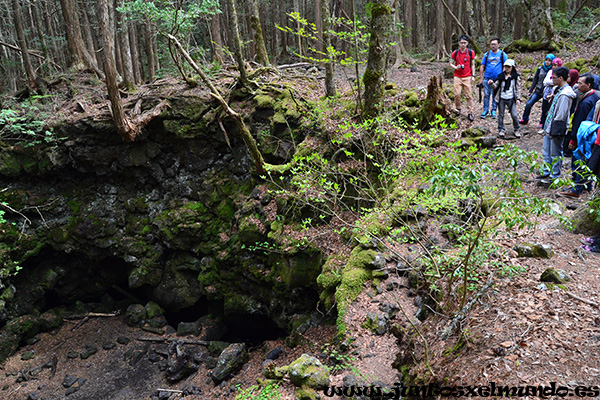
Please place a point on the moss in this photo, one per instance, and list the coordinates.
(371, 76)
(279, 118)
(411, 99)
(264, 101)
(226, 209)
(378, 10)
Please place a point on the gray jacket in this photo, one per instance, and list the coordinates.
(562, 111)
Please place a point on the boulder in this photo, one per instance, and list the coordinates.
(555, 276)
(308, 371)
(230, 361)
(534, 250)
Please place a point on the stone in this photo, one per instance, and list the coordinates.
(306, 393)
(274, 354)
(534, 250)
(229, 362)
(378, 262)
(135, 314)
(69, 381)
(27, 355)
(71, 390)
(123, 340)
(216, 347)
(188, 328)
(108, 345)
(377, 323)
(153, 310)
(309, 371)
(555, 276)
(88, 351)
(33, 396)
(72, 354)
(390, 309)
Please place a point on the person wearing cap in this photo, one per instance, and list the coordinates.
(536, 91)
(507, 94)
(463, 63)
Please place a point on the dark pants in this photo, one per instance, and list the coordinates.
(545, 109)
(511, 105)
(532, 100)
(580, 178)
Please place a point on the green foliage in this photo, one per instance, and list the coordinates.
(579, 27)
(269, 390)
(25, 125)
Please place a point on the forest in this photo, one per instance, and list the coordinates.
(281, 199)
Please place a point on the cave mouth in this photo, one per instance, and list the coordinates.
(81, 283)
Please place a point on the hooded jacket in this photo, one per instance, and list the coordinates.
(586, 104)
(557, 126)
(538, 80)
(499, 85)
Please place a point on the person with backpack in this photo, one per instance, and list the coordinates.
(549, 89)
(555, 125)
(463, 63)
(536, 90)
(507, 93)
(491, 67)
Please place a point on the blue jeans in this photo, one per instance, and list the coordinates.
(532, 100)
(552, 154)
(487, 91)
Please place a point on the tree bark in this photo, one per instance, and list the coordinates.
(135, 53)
(41, 36)
(374, 76)
(124, 126)
(123, 36)
(80, 57)
(217, 40)
(440, 52)
(298, 37)
(87, 32)
(325, 26)
(319, 23)
(18, 19)
(259, 40)
(237, 42)
(148, 45)
(408, 24)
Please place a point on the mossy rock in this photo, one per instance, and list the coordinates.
(136, 314)
(411, 99)
(534, 250)
(264, 101)
(585, 221)
(306, 393)
(476, 131)
(230, 361)
(153, 310)
(557, 276)
(251, 230)
(308, 371)
(378, 323)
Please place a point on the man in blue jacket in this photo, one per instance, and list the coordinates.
(587, 100)
(491, 64)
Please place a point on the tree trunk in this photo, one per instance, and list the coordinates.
(87, 32)
(284, 36)
(485, 22)
(259, 40)
(124, 126)
(518, 30)
(298, 37)
(325, 15)
(80, 57)
(374, 76)
(148, 40)
(319, 23)
(408, 24)
(237, 42)
(440, 52)
(471, 21)
(41, 36)
(18, 19)
(135, 53)
(123, 36)
(217, 40)
(276, 34)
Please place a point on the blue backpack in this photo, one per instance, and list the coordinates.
(586, 136)
(596, 84)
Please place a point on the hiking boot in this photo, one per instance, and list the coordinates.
(591, 240)
(494, 114)
(484, 114)
(569, 193)
(591, 248)
(470, 117)
(523, 122)
(518, 134)
(501, 134)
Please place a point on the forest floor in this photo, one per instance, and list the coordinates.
(518, 333)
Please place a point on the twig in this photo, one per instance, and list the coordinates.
(163, 340)
(170, 390)
(593, 29)
(92, 315)
(586, 301)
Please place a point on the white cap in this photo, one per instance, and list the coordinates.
(510, 62)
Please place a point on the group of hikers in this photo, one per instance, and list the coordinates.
(570, 119)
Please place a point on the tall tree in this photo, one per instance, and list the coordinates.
(237, 42)
(18, 19)
(217, 40)
(326, 26)
(259, 40)
(123, 37)
(374, 77)
(80, 57)
(124, 126)
(149, 48)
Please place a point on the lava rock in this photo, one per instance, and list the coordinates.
(377, 323)
(534, 250)
(390, 309)
(188, 328)
(69, 381)
(308, 371)
(555, 276)
(123, 340)
(108, 345)
(230, 361)
(88, 351)
(135, 314)
(273, 354)
(71, 390)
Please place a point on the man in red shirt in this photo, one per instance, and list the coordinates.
(463, 62)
